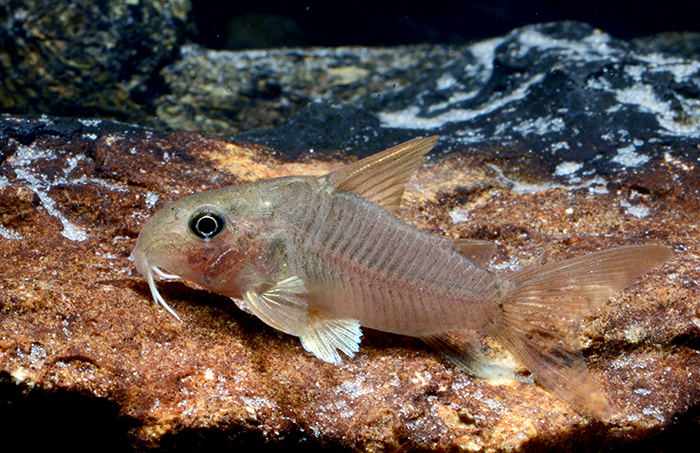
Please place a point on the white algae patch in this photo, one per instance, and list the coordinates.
(151, 199)
(638, 211)
(540, 126)
(590, 48)
(554, 147)
(567, 168)
(627, 157)
(458, 216)
(410, 118)
(9, 234)
(90, 122)
(644, 97)
(595, 185)
(23, 163)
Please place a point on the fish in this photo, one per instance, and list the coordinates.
(321, 257)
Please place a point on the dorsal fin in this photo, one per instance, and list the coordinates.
(382, 177)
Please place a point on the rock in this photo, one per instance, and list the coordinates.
(566, 95)
(557, 140)
(221, 92)
(86, 58)
(77, 322)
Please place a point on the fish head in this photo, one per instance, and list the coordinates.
(204, 238)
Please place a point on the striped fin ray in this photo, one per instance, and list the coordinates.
(280, 306)
(538, 321)
(325, 334)
(381, 178)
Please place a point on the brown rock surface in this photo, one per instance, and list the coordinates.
(87, 356)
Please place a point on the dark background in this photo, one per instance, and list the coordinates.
(238, 25)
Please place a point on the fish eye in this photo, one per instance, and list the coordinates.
(207, 223)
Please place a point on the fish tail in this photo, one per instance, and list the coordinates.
(539, 318)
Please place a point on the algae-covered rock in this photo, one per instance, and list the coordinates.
(86, 58)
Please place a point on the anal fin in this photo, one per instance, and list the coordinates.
(325, 334)
(471, 354)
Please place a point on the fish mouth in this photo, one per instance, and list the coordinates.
(151, 272)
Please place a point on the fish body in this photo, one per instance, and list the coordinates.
(319, 257)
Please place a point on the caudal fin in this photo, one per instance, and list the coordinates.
(539, 320)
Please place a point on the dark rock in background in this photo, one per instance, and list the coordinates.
(565, 96)
(126, 61)
(86, 58)
(558, 139)
(234, 92)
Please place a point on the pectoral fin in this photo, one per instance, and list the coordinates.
(321, 334)
(382, 177)
(280, 306)
(325, 334)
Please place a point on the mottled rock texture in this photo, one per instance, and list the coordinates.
(557, 141)
(87, 58)
(76, 321)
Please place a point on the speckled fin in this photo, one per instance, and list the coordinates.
(280, 306)
(325, 334)
(382, 177)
